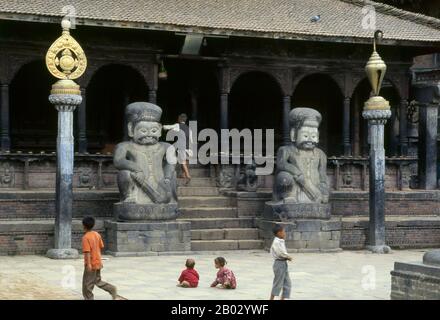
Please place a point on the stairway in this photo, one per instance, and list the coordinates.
(215, 225)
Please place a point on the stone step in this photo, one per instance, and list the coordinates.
(221, 223)
(225, 234)
(197, 191)
(208, 201)
(197, 182)
(219, 245)
(197, 172)
(189, 213)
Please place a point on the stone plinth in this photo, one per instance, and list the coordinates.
(62, 254)
(147, 238)
(287, 211)
(306, 235)
(417, 281)
(125, 211)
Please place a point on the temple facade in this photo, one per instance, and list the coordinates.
(227, 65)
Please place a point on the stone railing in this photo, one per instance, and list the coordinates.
(28, 171)
(345, 173)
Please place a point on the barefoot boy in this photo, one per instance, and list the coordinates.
(92, 245)
(280, 268)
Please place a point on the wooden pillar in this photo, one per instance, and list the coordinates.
(346, 127)
(152, 77)
(224, 110)
(194, 105)
(286, 125)
(428, 122)
(81, 117)
(125, 122)
(152, 96)
(403, 127)
(394, 141)
(5, 141)
(428, 97)
(356, 128)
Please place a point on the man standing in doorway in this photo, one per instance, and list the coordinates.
(185, 133)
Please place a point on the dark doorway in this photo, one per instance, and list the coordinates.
(256, 103)
(322, 93)
(191, 88)
(33, 118)
(110, 90)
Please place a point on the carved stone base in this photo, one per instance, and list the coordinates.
(382, 249)
(127, 239)
(62, 254)
(125, 211)
(415, 281)
(285, 211)
(306, 235)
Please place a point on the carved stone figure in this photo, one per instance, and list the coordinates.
(301, 174)
(147, 178)
(247, 178)
(300, 184)
(301, 191)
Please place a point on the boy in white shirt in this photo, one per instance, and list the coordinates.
(280, 269)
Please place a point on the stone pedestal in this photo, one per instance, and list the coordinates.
(147, 238)
(306, 235)
(308, 226)
(288, 211)
(125, 211)
(62, 254)
(417, 281)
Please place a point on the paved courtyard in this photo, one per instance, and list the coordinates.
(343, 275)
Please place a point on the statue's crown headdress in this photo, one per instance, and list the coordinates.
(143, 111)
(308, 117)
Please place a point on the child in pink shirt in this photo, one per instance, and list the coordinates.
(225, 277)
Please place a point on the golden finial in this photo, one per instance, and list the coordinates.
(375, 70)
(66, 60)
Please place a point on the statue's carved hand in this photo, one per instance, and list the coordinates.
(137, 169)
(300, 180)
(138, 175)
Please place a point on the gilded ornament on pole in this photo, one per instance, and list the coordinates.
(375, 70)
(66, 61)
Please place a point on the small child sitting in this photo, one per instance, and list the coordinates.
(225, 277)
(189, 278)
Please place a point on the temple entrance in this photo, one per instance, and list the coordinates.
(33, 119)
(256, 103)
(110, 90)
(191, 88)
(322, 93)
(359, 124)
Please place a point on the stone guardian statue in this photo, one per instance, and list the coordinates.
(300, 184)
(146, 178)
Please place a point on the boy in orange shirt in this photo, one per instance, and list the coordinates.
(91, 246)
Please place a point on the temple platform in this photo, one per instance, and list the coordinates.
(221, 219)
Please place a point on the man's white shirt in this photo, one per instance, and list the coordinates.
(176, 127)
